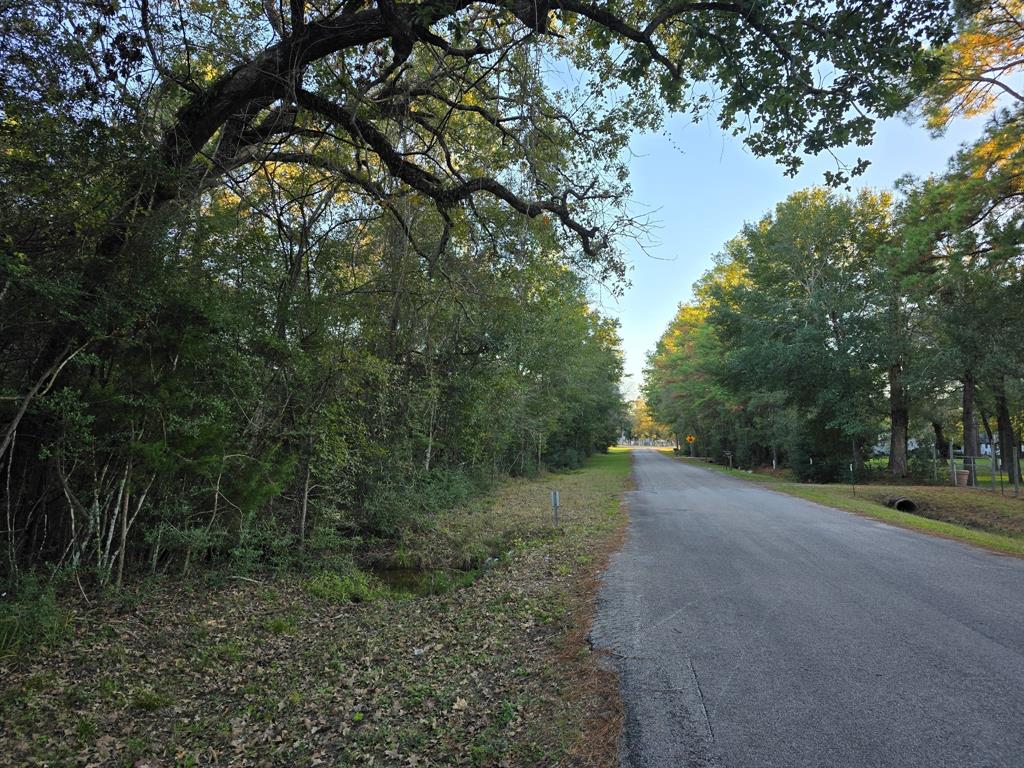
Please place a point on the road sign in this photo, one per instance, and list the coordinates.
(691, 439)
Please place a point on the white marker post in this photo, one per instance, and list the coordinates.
(556, 501)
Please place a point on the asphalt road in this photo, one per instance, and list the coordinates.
(751, 628)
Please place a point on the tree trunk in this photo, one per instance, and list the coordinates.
(899, 416)
(858, 456)
(305, 506)
(987, 427)
(970, 425)
(123, 540)
(1007, 437)
(942, 444)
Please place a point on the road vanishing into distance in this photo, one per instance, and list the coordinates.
(752, 628)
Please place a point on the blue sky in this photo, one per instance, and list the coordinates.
(702, 185)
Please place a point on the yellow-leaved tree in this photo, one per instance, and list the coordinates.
(981, 66)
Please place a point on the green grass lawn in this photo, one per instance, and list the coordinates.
(974, 515)
(494, 671)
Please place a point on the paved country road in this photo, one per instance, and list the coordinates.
(751, 628)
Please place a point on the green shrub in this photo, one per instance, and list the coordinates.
(412, 499)
(565, 458)
(265, 544)
(30, 615)
(329, 548)
(819, 458)
(924, 466)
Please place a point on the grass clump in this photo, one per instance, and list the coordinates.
(280, 625)
(149, 700)
(353, 587)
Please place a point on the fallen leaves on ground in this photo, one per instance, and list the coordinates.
(261, 674)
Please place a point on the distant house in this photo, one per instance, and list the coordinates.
(881, 448)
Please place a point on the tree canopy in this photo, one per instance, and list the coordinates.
(848, 319)
(447, 100)
(279, 275)
(837, 324)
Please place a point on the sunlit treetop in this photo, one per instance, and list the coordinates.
(981, 66)
(455, 100)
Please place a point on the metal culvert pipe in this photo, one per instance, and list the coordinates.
(902, 504)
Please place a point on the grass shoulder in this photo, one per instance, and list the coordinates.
(291, 670)
(974, 515)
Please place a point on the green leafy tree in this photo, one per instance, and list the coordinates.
(962, 234)
(796, 330)
(274, 276)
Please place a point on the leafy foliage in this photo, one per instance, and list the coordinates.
(824, 328)
(978, 66)
(269, 279)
